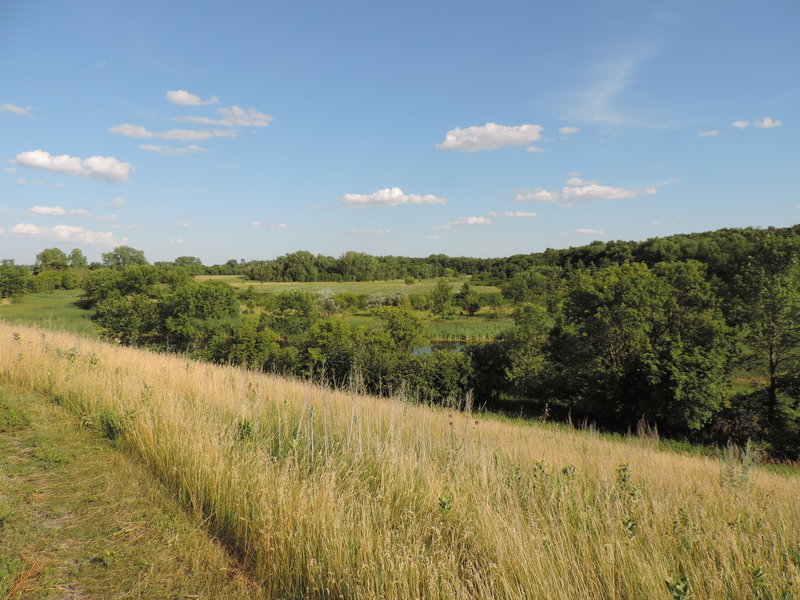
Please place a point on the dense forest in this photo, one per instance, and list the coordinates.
(697, 335)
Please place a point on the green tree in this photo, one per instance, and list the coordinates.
(123, 256)
(15, 280)
(51, 259)
(770, 311)
(405, 328)
(442, 299)
(77, 259)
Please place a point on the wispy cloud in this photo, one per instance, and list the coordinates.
(184, 98)
(368, 231)
(465, 221)
(709, 133)
(389, 197)
(173, 151)
(489, 137)
(568, 130)
(600, 101)
(512, 214)
(587, 231)
(100, 168)
(765, 123)
(16, 110)
(184, 135)
(235, 116)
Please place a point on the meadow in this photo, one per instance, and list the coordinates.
(324, 494)
(58, 310)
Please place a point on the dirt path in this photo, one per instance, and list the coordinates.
(79, 519)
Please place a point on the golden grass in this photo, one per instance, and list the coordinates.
(333, 495)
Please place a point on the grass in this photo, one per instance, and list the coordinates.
(56, 310)
(422, 286)
(327, 494)
(79, 519)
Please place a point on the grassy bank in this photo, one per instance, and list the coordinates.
(78, 519)
(332, 495)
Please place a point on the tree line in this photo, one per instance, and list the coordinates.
(698, 334)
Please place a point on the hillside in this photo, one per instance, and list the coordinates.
(323, 494)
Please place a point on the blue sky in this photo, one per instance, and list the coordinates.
(252, 129)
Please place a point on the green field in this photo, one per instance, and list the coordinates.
(422, 286)
(57, 310)
(60, 310)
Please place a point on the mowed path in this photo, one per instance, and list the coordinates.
(78, 519)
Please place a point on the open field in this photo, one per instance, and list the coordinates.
(55, 310)
(332, 495)
(422, 286)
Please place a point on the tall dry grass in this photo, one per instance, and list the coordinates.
(333, 495)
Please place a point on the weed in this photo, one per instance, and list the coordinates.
(48, 454)
(12, 419)
(678, 587)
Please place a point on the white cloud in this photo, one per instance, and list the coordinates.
(184, 135)
(586, 231)
(234, 116)
(368, 230)
(184, 98)
(516, 214)
(741, 124)
(190, 135)
(579, 190)
(709, 133)
(595, 191)
(2, 230)
(489, 137)
(17, 110)
(432, 237)
(460, 221)
(170, 150)
(534, 149)
(126, 226)
(389, 197)
(176, 240)
(183, 225)
(57, 211)
(108, 217)
(100, 168)
(281, 226)
(257, 224)
(9, 170)
(767, 123)
(135, 131)
(536, 195)
(21, 181)
(66, 233)
(568, 130)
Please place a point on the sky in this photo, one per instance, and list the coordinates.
(246, 130)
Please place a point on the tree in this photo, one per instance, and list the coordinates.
(406, 329)
(637, 341)
(770, 310)
(51, 259)
(14, 280)
(192, 264)
(77, 259)
(442, 299)
(123, 256)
